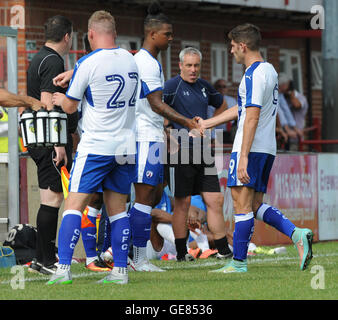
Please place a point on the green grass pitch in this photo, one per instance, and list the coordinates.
(269, 277)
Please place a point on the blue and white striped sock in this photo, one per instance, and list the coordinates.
(120, 237)
(140, 223)
(69, 234)
(244, 227)
(276, 219)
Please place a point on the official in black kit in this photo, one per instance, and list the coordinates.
(45, 65)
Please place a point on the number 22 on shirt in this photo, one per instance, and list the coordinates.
(114, 101)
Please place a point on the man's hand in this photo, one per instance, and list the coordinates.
(300, 133)
(172, 144)
(60, 154)
(57, 98)
(242, 173)
(193, 223)
(195, 128)
(291, 132)
(62, 80)
(37, 104)
(201, 124)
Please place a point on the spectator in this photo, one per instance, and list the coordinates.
(297, 104)
(228, 132)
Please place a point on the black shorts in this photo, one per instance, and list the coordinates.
(192, 179)
(48, 176)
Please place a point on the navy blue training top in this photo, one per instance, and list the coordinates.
(190, 99)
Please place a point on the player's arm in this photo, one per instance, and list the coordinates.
(62, 80)
(69, 105)
(9, 100)
(160, 216)
(222, 108)
(226, 116)
(161, 108)
(76, 90)
(249, 131)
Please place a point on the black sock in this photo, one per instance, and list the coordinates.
(46, 223)
(181, 247)
(222, 246)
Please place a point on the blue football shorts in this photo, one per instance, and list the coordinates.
(149, 166)
(259, 168)
(91, 172)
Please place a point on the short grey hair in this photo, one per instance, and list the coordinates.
(189, 50)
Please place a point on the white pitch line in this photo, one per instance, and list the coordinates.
(251, 260)
(44, 278)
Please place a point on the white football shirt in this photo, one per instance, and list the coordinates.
(106, 80)
(259, 88)
(149, 124)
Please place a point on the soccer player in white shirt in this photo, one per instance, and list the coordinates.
(108, 78)
(150, 114)
(254, 150)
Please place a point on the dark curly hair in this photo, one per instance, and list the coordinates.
(155, 17)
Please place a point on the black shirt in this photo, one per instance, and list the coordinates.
(46, 65)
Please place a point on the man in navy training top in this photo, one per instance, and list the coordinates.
(190, 96)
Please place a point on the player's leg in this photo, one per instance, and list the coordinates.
(140, 218)
(156, 239)
(120, 235)
(272, 216)
(89, 233)
(216, 222)
(86, 176)
(301, 237)
(141, 222)
(69, 234)
(244, 226)
(148, 176)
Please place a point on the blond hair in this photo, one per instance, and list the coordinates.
(102, 21)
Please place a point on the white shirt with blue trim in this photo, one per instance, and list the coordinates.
(259, 88)
(106, 83)
(149, 124)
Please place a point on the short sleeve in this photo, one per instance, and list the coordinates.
(150, 76)
(215, 98)
(79, 82)
(49, 68)
(169, 91)
(255, 89)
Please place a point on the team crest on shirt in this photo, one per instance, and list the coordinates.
(203, 91)
(149, 174)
